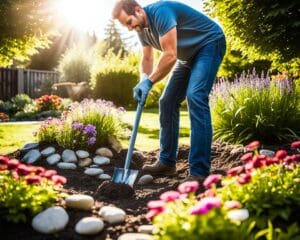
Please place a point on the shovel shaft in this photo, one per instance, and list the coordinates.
(133, 136)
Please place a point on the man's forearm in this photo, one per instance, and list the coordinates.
(146, 66)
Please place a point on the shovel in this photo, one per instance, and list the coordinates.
(126, 175)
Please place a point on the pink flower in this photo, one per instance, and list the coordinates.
(212, 179)
(57, 180)
(33, 179)
(295, 144)
(235, 171)
(244, 178)
(205, 205)
(13, 164)
(188, 187)
(39, 170)
(48, 174)
(156, 205)
(281, 154)
(4, 160)
(232, 204)
(24, 170)
(170, 196)
(152, 213)
(247, 157)
(210, 193)
(253, 146)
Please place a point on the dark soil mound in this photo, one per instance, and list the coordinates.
(114, 190)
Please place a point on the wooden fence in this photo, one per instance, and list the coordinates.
(31, 82)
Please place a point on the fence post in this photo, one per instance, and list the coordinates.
(20, 80)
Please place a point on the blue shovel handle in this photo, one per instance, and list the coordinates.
(133, 135)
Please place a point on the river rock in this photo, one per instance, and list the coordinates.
(53, 159)
(82, 154)
(267, 152)
(135, 236)
(69, 156)
(32, 156)
(93, 171)
(89, 226)
(105, 152)
(51, 220)
(80, 201)
(115, 143)
(138, 155)
(85, 162)
(112, 214)
(29, 146)
(48, 151)
(145, 179)
(104, 176)
(64, 165)
(101, 160)
(148, 229)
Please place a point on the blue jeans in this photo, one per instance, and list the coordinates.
(192, 80)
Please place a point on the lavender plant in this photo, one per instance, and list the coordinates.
(256, 107)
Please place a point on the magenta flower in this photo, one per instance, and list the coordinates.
(235, 171)
(24, 170)
(253, 146)
(57, 180)
(205, 205)
(295, 144)
(33, 179)
(212, 179)
(247, 157)
(170, 196)
(152, 213)
(281, 154)
(156, 205)
(48, 174)
(244, 178)
(188, 187)
(4, 160)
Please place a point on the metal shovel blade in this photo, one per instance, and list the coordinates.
(123, 176)
(126, 175)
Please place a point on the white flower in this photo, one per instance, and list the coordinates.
(238, 214)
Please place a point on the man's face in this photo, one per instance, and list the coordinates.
(132, 22)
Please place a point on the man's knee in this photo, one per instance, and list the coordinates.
(197, 97)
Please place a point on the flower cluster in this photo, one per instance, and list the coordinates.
(4, 117)
(26, 190)
(48, 102)
(88, 132)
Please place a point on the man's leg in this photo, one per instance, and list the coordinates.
(204, 70)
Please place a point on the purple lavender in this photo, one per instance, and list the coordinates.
(77, 125)
(90, 130)
(91, 141)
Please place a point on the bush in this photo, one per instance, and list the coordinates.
(26, 190)
(75, 65)
(255, 107)
(48, 102)
(15, 104)
(114, 78)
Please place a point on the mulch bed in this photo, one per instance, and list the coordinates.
(224, 157)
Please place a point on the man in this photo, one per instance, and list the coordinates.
(194, 45)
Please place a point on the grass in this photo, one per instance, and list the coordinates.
(15, 136)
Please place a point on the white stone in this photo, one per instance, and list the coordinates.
(89, 226)
(53, 159)
(93, 171)
(105, 152)
(135, 236)
(32, 156)
(64, 165)
(85, 162)
(29, 146)
(51, 220)
(80, 201)
(101, 160)
(115, 143)
(145, 179)
(48, 151)
(267, 152)
(146, 229)
(112, 214)
(104, 176)
(69, 156)
(82, 154)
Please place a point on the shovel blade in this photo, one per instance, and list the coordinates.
(122, 175)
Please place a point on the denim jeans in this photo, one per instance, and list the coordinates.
(192, 80)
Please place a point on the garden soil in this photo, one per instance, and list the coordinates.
(133, 202)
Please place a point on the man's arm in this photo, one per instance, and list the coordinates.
(168, 57)
(147, 60)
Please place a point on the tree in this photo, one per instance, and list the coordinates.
(113, 40)
(25, 27)
(264, 29)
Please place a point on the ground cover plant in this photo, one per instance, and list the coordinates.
(256, 107)
(257, 200)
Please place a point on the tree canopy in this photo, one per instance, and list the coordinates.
(264, 29)
(25, 27)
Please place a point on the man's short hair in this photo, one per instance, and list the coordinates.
(127, 5)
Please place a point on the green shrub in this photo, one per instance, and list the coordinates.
(114, 78)
(75, 65)
(20, 101)
(256, 108)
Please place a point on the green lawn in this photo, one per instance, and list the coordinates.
(14, 136)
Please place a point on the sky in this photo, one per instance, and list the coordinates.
(93, 15)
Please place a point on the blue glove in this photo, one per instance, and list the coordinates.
(141, 90)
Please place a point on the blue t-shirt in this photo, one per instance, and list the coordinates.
(194, 29)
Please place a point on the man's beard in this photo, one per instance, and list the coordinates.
(139, 27)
